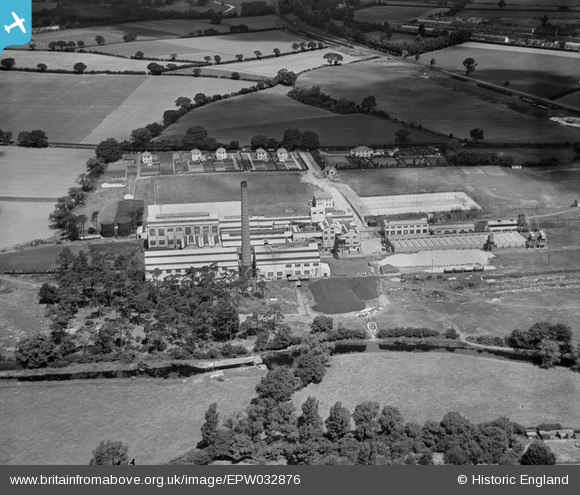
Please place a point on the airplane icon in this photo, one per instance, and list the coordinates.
(17, 22)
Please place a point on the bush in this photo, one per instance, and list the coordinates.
(410, 332)
(342, 333)
(451, 333)
(109, 453)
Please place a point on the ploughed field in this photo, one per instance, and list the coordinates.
(544, 73)
(393, 14)
(271, 112)
(406, 93)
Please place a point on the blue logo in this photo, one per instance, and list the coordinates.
(15, 22)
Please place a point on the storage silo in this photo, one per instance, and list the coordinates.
(124, 226)
(108, 229)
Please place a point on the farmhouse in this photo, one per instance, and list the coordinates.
(261, 154)
(282, 154)
(197, 155)
(221, 154)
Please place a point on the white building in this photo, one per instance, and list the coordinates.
(406, 229)
(290, 260)
(282, 154)
(197, 155)
(322, 198)
(221, 154)
(361, 152)
(261, 155)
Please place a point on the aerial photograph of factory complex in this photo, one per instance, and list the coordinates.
(291, 232)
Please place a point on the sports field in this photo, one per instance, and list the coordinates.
(426, 386)
(270, 113)
(290, 192)
(535, 71)
(67, 107)
(62, 422)
(497, 190)
(67, 60)
(407, 93)
(227, 46)
(151, 98)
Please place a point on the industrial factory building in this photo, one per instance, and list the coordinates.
(499, 240)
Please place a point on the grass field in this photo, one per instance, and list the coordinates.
(271, 113)
(290, 192)
(61, 423)
(532, 190)
(533, 71)
(226, 46)
(408, 94)
(17, 293)
(427, 386)
(66, 107)
(24, 221)
(151, 98)
(40, 173)
(269, 67)
(393, 14)
(67, 60)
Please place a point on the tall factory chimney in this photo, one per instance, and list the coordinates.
(246, 244)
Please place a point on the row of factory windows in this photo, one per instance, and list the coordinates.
(198, 230)
(411, 231)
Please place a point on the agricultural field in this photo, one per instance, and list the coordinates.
(67, 60)
(426, 386)
(290, 192)
(571, 99)
(22, 221)
(499, 191)
(269, 67)
(226, 46)
(393, 14)
(147, 102)
(408, 94)
(157, 419)
(270, 113)
(534, 71)
(67, 107)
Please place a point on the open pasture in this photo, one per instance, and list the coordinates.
(22, 221)
(67, 60)
(408, 94)
(289, 193)
(150, 99)
(226, 46)
(269, 67)
(427, 386)
(67, 107)
(535, 71)
(533, 190)
(158, 419)
(271, 113)
(393, 14)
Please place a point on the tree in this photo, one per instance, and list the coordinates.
(295, 47)
(129, 37)
(109, 150)
(200, 99)
(501, 4)
(141, 136)
(217, 59)
(432, 63)
(364, 417)
(24, 139)
(310, 368)
(100, 40)
(292, 138)
(476, 134)
(36, 352)
(469, 65)
(549, 353)
(155, 129)
(226, 323)
(196, 72)
(309, 422)
(42, 67)
(422, 31)
(81, 44)
(259, 141)
(7, 63)
(235, 76)
(139, 55)
(155, 68)
(5, 137)
(110, 453)
(310, 140)
(184, 103)
(52, 46)
(322, 323)
(277, 52)
(538, 454)
(390, 420)
(72, 45)
(240, 57)
(338, 422)
(403, 136)
(210, 427)
(258, 54)
(279, 384)
(79, 68)
(369, 103)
